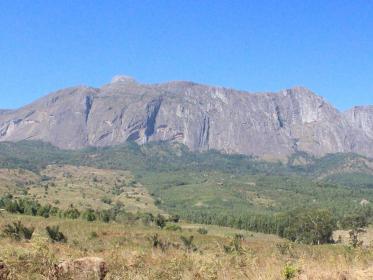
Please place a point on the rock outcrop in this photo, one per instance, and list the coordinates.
(83, 268)
(270, 125)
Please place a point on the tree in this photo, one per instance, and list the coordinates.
(160, 221)
(89, 215)
(314, 226)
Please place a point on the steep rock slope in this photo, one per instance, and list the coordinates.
(271, 125)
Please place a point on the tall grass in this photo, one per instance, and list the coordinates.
(130, 255)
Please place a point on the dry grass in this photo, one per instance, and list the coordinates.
(15, 180)
(130, 255)
(82, 186)
(366, 237)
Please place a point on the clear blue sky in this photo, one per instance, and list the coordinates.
(261, 45)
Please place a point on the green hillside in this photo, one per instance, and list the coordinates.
(211, 187)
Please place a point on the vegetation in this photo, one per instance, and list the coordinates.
(55, 234)
(168, 208)
(135, 251)
(202, 231)
(289, 272)
(160, 221)
(188, 243)
(354, 237)
(173, 227)
(210, 188)
(314, 226)
(18, 231)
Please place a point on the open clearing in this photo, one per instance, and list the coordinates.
(130, 254)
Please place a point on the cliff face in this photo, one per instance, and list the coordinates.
(271, 125)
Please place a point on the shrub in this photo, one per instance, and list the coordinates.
(27, 232)
(55, 235)
(174, 218)
(173, 227)
(202, 231)
(71, 213)
(44, 211)
(284, 248)
(89, 215)
(106, 200)
(11, 207)
(160, 221)
(156, 242)
(18, 231)
(105, 216)
(188, 243)
(354, 237)
(93, 235)
(147, 218)
(236, 245)
(289, 272)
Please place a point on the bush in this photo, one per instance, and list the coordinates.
(188, 243)
(284, 247)
(202, 231)
(289, 272)
(174, 218)
(147, 218)
(105, 216)
(156, 242)
(236, 245)
(160, 221)
(71, 213)
(89, 215)
(55, 235)
(354, 237)
(106, 200)
(93, 235)
(18, 231)
(173, 227)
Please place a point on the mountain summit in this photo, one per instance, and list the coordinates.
(270, 125)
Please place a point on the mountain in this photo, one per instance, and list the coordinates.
(269, 125)
(3, 111)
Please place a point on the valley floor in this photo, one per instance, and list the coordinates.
(222, 253)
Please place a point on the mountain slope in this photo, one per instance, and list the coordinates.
(197, 186)
(269, 125)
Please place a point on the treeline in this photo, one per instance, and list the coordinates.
(33, 208)
(116, 213)
(309, 226)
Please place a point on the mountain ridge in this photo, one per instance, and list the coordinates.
(269, 125)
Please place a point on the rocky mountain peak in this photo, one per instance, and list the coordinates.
(123, 79)
(270, 125)
(301, 92)
(3, 111)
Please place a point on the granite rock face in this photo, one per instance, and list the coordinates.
(270, 125)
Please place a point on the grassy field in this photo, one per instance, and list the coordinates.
(130, 254)
(84, 187)
(210, 187)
